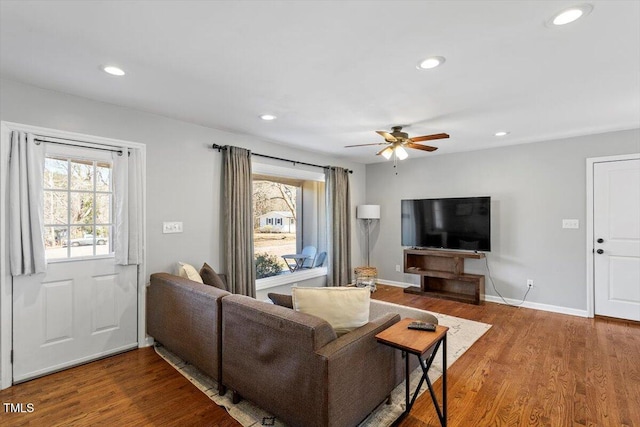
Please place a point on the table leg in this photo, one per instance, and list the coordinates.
(425, 365)
(443, 421)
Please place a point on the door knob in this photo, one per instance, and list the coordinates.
(600, 251)
(600, 240)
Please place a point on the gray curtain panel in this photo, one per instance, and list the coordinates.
(339, 226)
(238, 221)
(26, 205)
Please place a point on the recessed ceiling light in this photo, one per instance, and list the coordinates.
(268, 117)
(114, 71)
(430, 62)
(502, 133)
(570, 15)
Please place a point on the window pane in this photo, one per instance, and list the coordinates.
(55, 207)
(103, 177)
(102, 241)
(55, 242)
(55, 173)
(81, 175)
(274, 206)
(81, 207)
(81, 241)
(103, 208)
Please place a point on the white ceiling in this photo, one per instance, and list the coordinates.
(336, 71)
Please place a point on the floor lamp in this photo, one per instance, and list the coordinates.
(368, 213)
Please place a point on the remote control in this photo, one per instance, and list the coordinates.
(422, 326)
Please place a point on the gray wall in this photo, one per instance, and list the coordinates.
(532, 186)
(183, 172)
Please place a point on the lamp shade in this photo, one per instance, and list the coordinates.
(368, 212)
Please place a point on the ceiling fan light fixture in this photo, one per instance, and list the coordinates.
(387, 152)
(570, 15)
(401, 153)
(430, 62)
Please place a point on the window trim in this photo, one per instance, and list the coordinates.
(286, 279)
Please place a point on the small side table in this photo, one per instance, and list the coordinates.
(298, 261)
(420, 343)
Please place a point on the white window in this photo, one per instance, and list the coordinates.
(78, 207)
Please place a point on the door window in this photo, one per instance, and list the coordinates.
(78, 207)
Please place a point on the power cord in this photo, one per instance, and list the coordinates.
(486, 261)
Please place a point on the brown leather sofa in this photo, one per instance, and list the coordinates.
(293, 365)
(185, 317)
(288, 363)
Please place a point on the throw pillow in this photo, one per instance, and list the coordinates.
(188, 271)
(344, 308)
(281, 299)
(211, 278)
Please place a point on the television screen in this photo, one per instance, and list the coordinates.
(452, 223)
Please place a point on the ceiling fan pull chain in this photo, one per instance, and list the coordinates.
(395, 162)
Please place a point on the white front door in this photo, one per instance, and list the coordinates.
(79, 311)
(84, 306)
(616, 233)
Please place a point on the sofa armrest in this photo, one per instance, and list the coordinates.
(360, 371)
(185, 317)
(345, 343)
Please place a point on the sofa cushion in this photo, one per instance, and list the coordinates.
(281, 299)
(188, 271)
(344, 308)
(211, 278)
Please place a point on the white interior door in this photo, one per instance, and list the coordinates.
(84, 306)
(79, 311)
(616, 197)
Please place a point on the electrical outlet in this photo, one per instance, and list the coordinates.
(398, 269)
(172, 227)
(529, 283)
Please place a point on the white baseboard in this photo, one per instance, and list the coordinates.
(539, 306)
(498, 300)
(392, 283)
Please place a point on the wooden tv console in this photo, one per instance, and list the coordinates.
(442, 275)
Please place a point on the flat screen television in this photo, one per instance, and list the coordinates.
(452, 223)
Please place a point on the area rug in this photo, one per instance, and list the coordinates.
(462, 334)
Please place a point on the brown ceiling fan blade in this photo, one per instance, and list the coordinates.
(429, 137)
(386, 135)
(364, 145)
(421, 147)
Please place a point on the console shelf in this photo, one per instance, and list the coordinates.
(442, 275)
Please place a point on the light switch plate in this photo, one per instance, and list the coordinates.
(172, 227)
(570, 223)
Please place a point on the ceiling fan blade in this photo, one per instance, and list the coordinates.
(387, 136)
(364, 145)
(429, 137)
(421, 147)
(385, 148)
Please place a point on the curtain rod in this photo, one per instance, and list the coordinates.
(224, 147)
(40, 138)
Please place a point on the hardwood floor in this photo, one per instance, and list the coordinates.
(532, 368)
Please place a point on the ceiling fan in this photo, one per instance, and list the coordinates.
(397, 141)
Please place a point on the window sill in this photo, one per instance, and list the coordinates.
(288, 278)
